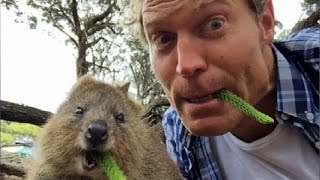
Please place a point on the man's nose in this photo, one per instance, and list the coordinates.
(190, 58)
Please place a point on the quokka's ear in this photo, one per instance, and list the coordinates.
(125, 87)
(85, 79)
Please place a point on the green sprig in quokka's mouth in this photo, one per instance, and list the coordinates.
(109, 165)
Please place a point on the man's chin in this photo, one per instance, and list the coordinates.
(208, 126)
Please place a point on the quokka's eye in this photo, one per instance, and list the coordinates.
(79, 111)
(119, 118)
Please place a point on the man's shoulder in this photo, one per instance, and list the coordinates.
(307, 33)
(302, 48)
(303, 40)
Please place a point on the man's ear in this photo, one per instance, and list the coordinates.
(267, 23)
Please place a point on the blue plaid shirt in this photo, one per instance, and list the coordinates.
(297, 106)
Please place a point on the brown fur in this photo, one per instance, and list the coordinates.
(136, 147)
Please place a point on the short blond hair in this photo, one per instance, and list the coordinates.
(131, 9)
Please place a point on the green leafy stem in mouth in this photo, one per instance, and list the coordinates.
(114, 172)
(109, 165)
(244, 107)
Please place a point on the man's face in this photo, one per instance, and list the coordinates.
(198, 47)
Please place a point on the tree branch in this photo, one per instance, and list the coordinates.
(99, 17)
(96, 41)
(98, 27)
(69, 36)
(23, 114)
(75, 16)
(66, 15)
(310, 21)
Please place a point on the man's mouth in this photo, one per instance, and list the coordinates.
(203, 99)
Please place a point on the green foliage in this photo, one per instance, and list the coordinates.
(6, 139)
(12, 130)
(109, 165)
(24, 129)
(244, 107)
(284, 34)
(309, 6)
(310, 2)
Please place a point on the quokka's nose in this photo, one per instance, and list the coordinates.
(96, 133)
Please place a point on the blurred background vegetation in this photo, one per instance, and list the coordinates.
(11, 131)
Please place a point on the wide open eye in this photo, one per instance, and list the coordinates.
(119, 118)
(79, 110)
(163, 38)
(215, 24)
(214, 27)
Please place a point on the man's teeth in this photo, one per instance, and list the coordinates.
(203, 99)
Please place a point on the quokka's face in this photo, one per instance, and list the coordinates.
(100, 114)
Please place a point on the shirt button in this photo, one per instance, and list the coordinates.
(310, 116)
(284, 116)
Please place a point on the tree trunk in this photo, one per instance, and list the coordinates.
(23, 114)
(312, 20)
(82, 67)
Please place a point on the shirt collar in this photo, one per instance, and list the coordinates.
(294, 96)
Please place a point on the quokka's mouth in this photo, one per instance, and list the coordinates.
(89, 159)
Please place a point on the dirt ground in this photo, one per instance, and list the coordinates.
(13, 166)
(8, 177)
